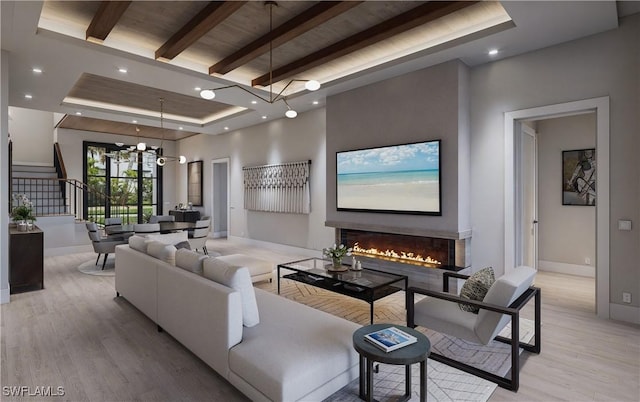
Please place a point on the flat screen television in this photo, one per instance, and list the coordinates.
(401, 179)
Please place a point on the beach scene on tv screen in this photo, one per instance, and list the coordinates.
(395, 178)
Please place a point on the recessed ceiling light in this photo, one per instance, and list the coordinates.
(493, 52)
(37, 70)
(264, 117)
(134, 121)
(122, 70)
(226, 128)
(315, 102)
(78, 113)
(180, 128)
(28, 96)
(253, 102)
(197, 89)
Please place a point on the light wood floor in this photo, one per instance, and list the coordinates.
(76, 334)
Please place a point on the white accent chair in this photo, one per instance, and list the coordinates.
(162, 218)
(440, 312)
(198, 236)
(103, 245)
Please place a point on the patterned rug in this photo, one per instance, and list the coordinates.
(444, 383)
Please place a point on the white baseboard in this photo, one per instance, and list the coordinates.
(283, 248)
(620, 312)
(569, 269)
(4, 296)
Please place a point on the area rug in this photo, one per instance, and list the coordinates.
(444, 383)
(90, 267)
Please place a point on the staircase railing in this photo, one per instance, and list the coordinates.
(45, 193)
(58, 163)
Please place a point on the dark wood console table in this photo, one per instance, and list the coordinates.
(185, 215)
(26, 260)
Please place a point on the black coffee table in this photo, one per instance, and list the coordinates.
(366, 284)
(408, 355)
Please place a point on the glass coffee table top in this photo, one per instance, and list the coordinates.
(365, 284)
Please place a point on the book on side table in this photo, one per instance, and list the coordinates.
(389, 339)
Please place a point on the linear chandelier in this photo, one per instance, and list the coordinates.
(311, 85)
(161, 160)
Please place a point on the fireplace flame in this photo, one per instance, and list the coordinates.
(393, 255)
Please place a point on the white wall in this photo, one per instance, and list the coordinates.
(70, 142)
(4, 177)
(606, 64)
(424, 105)
(567, 233)
(28, 127)
(283, 140)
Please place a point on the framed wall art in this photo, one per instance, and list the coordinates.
(579, 177)
(194, 183)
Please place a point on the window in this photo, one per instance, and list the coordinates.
(122, 182)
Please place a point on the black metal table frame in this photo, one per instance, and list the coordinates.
(382, 290)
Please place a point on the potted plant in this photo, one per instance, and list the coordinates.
(336, 253)
(22, 211)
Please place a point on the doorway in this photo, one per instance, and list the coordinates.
(220, 197)
(513, 221)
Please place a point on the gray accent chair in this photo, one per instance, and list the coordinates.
(103, 245)
(199, 234)
(162, 218)
(146, 228)
(440, 311)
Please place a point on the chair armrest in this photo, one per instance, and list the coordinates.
(411, 291)
(445, 279)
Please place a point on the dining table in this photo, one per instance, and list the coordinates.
(165, 227)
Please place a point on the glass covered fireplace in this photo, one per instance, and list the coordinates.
(420, 251)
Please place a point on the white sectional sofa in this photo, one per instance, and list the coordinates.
(293, 353)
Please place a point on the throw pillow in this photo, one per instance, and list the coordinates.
(476, 287)
(183, 244)
(161, 251)
(189, 260)
(237, 278)
(138, 243)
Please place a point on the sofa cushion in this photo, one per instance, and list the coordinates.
(189, 260)
(138, 243)
(161, 251)
(476, 287)
(239, 279)
(170, 238)
(315, 348)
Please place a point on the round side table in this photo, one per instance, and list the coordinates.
(407, 355)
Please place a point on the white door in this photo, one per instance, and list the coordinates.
(528, 197)
(220, 198)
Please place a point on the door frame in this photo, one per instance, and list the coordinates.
(213, 190)
(525, 130)
(601, 107)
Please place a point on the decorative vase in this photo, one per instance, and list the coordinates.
(336, 263)
(21, 226)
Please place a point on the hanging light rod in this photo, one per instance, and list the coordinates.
(311, 85)
(161, 160)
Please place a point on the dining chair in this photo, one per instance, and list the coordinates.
(103, 245)
(199, 234)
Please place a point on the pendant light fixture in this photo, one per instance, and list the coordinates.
(311, 85)
(161, 160)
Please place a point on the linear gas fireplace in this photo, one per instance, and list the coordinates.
(419, 251)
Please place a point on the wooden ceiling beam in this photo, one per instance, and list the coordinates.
(415, 17)
(303, 22)
(105, 19)
(203, 22)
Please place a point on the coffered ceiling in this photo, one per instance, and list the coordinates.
(113, 61)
